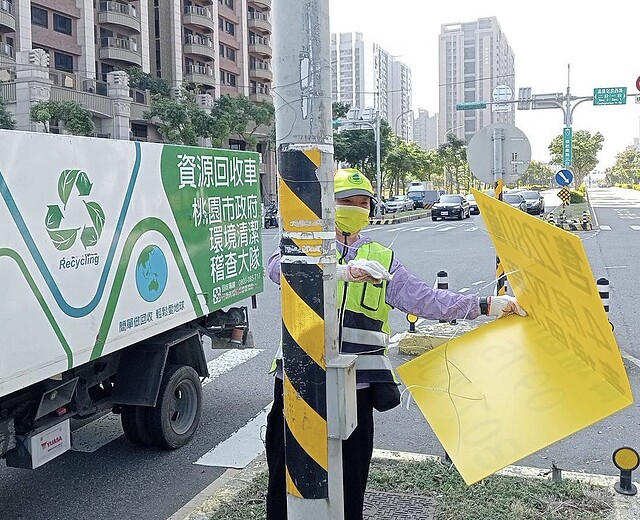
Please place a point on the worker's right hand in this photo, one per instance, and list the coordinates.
(500, 306)
(361, 271)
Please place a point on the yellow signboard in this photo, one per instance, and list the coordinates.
(513, 386)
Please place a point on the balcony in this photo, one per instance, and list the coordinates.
(199, 16)
(261, 71)
(259, 45)
(200, 75)
(259, 21)
(264, 4)
(7, 54)
(259, 94)
(7, 18)
(117, 13)
(120, 49)
(199, 45)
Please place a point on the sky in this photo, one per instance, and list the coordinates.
(599, 40)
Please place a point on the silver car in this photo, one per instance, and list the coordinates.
(398, 203)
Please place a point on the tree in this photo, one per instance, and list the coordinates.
(144, 81)
(537, 173)
(180, 120)
(339, 110)
(626, 169)
(585, 150)
(357, 148)
(76, 119)
(406, 161)
(453, 155)
(6, 120)
(244, 117)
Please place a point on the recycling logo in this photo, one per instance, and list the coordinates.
(63, 237)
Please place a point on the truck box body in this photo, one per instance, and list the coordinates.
(104, 243)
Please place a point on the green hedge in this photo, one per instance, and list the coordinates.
(576, 197)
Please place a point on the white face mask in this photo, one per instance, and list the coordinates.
(351, 219)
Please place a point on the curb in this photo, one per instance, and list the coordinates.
(232, 481)
(397, 220)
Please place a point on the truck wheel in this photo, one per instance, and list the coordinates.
(176, 415)
(135, 423)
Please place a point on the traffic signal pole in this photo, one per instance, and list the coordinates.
(317, 416)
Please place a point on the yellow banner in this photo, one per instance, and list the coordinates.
(515, 385)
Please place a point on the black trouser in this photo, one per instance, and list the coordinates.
(356, 457)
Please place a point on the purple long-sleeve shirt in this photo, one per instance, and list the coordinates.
(406, 291)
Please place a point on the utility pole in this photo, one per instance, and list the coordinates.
(317, 417)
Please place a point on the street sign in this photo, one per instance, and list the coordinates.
(610, 96)
(564, 195)
(567, 146)
(516, 153)
(501, 94)
(564, 177)
(637, 99)
(471, 105)
(524, 98)
(553, 100)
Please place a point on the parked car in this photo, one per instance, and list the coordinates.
(535, 202)
(473, 205)
(515, 200)
(451, 206)
(398, 203)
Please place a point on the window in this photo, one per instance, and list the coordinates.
(228, 3)
(39, 16)
(226, 78)
(226, 26)
(61, 24)
(63, 61)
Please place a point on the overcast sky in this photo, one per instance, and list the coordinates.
(600, 40)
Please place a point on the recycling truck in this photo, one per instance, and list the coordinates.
(117, 260)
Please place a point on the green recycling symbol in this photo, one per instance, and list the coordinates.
(64, 238)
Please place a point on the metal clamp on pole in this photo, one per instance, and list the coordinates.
(342, 409)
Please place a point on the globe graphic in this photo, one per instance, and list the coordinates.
(151, 273)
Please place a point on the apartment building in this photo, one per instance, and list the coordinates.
(366, 75)
(425, 130)
(218, 46)
(474, 59)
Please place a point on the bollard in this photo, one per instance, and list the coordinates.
(443, 283)
(412, 319)
(603, 291)
(551, 219)
(626, 460)
(585, 220)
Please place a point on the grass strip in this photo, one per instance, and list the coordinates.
(495, 498)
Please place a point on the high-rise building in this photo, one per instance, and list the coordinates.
(366, 75)
(348, 69)
(475, 59)
(425, 130)
(220, 47)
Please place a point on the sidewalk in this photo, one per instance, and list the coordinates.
(382, 505)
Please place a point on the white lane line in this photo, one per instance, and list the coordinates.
(463, 290)
(470, 229)
(605, 228)
(446, 229)
(93, 436)
(635, 228)
(479, 282)
(630, 358)
(242, 447)
(395, 229)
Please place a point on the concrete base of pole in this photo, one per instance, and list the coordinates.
(428, 337)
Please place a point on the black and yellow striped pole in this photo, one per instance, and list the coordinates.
(302, 98)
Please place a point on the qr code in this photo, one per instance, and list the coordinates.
(217, 295)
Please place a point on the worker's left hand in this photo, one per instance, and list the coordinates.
(500, 306)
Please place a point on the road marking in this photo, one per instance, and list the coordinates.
(635, 228)
(463, 290)
(242, 447)
(470, 229)
(629, 357)
(93, 436)
(479, 282)
(605, 228)
(446, 229)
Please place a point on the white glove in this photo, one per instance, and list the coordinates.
(362, 270)
(500, 306)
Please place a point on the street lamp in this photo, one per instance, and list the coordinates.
(395, 126)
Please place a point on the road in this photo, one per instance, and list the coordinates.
(109, 478)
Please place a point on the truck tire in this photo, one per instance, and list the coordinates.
(136, 426)
(176, 415)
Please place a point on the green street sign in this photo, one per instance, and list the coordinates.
(471, 105)
(610, 96)
(567, 146)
